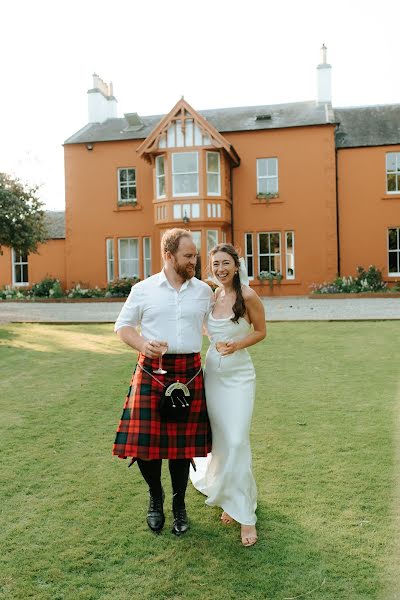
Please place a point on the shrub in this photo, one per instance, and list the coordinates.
(81, 292)
(9, 293)
(47, 288)
(120, 288)
(364, 281)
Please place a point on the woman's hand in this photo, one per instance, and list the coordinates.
(229, 348)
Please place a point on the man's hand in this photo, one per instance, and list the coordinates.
(152, 348)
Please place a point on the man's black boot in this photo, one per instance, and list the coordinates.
(155, 514)
(181, 523)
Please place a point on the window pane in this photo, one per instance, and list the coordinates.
(393, 239)
(393, 262)
(262, 166)
(391, 161)
(131, 175)
(171, 135)
(161, 186)
(122, 175)
(186, 184)
(132, 193)
(124, 193)
(124, 249)
(212, 239)
(289, 240)
(263, 243)
(197, 136)
(160, 165)
(213, 183)
(262, 186)
(177, 211)
(179, 134)
(212, 162)
(185, 162)
(189, 133)
(195, 211)
(272, 166)
(391, 183)
(272, 185)
(275, 245)
(249, 245)
(276, 264)
(264, 264)
(250, 266)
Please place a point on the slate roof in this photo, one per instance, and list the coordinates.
(244, 118)
(368, 126)
(357, 126)
(55, 223)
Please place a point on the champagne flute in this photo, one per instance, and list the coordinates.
(163, 348)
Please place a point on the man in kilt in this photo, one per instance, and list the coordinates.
(170, 308)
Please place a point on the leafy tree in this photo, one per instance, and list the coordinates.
(22, 218)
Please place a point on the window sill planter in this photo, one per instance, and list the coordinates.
(123, 206)
(267, 197)
(270, 278)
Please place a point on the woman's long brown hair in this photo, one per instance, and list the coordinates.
(239, 308)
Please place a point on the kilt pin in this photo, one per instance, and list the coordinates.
(142, 433)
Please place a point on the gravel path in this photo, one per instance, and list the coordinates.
(295, 308)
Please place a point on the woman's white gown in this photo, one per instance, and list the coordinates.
(225, 476)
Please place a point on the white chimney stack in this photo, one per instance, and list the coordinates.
(102, 104)
(324, 87)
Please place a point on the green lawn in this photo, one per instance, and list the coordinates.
(326, 448)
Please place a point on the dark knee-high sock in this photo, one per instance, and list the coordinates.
(179, 470)
(151, 471)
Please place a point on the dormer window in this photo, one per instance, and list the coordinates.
(185, 174)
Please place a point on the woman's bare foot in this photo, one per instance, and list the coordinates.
(248, 534)
(227, 519)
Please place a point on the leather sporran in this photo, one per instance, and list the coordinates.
(175, 402)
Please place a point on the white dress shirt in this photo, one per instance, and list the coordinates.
(163, 313)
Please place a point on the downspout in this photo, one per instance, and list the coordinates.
(337, 206)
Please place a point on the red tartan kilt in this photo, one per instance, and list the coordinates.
(142, 433)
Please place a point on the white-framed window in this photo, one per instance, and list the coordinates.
(146, 257)
(289, 254)
(269, 252)
(249, 254)
(19, 268)
(127, 185)
(110, 259)
(393, 172)
(212, 239)
(267, 175)
(128, 257)
(394, 251)
(213, 174)
(185, 174)
(186, 211)
(160, 176)
(214, 210)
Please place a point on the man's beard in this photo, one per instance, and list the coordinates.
(184, 272)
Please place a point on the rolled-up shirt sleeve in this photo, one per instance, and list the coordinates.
(131, 312)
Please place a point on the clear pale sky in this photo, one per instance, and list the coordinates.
(217, 53)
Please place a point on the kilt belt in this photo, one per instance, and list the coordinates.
(142, 433)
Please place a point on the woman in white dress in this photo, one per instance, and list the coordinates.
(236, 322)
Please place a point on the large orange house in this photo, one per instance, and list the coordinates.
(305, 191)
